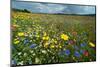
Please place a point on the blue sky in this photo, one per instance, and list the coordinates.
(53, 8)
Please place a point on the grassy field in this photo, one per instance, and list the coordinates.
(52, 38)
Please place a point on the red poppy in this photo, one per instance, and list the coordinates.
(86, 53)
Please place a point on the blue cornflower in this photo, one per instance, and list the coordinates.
(13, 62)
(33, 45)
(77, 54)
(67, 52)
(83, 44)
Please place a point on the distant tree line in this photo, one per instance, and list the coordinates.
(21, 10)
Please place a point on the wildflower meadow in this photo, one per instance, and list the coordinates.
(48, 38)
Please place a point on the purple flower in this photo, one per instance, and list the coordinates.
(33, 45)
(71, 42)
(77, 54)
(67, 52)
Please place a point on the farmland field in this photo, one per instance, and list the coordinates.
(52, 38)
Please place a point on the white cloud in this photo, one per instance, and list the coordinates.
(54, 8)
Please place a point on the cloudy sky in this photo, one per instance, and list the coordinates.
(54, 8)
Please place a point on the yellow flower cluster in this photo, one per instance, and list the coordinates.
(16, 41)
(60, 46)
(46, 44)
(54, 40)
(45, 37)
(20, 34)
(52, 46)
(64, 37)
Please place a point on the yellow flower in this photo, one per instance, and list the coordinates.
(46, 44)
(16, 42)
(20, 34)
(60, 46)
(91, 44)
(64, 37)
(73, 58)
(46, 38)
(52, 46)
(55, 41)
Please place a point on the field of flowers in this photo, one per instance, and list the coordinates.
(49, 38)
